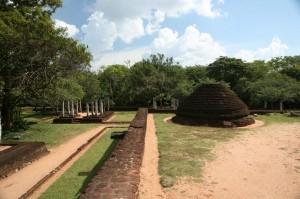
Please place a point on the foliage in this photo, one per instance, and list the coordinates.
(114, 84)
(276, 87)
(90, 84)
(32, 59)
(157, 77)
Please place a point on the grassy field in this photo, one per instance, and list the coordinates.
(42, 129)
(75, 179)
(124, 116)
(277, 118)
(183, 150)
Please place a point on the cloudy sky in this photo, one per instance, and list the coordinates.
(191, 31)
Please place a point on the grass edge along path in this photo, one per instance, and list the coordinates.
(76, 178)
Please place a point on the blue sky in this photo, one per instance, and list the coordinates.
(191, 31)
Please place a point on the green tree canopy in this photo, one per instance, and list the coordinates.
(276, 87)
(32, 52)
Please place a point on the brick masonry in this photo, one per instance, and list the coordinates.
(120, 175)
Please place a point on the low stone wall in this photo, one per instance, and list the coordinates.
(20, 155)
(120, 175)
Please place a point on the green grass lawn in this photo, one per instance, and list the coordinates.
(75, 179)
(124, 116)
(277, 118)
(183, 150)
(42, 129)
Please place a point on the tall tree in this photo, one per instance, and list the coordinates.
(32, 52)
(157, 77)
(227, 69)
(114, 84)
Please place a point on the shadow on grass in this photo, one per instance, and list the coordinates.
(93, 172)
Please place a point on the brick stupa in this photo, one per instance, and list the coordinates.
(213, 105)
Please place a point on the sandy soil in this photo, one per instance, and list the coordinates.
(149, 183)
(2, 148)
(263, 162)
(17, 184)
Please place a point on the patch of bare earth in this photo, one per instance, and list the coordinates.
(262, 163)
(150, 187)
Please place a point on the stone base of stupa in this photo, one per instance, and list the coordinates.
(228, 123)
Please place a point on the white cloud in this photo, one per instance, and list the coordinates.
(120, 57)
(276, 48)
(166, 39)
(193, 47)
(154, 21)
(71, 30)
(129, 29)
(132, 19)
(100, 34)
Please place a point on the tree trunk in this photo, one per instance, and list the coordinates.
(6, 110)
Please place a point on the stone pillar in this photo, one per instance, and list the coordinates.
(96, 107)
(107, 105)
(154, 103)
(101, 106)
(72, 108)
(92, 108)
(76, 107)
(63, 109)
(69, 111)
(87, 110)
(265, 104)
(173, 103)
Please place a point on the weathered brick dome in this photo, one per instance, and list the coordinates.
(213, 102)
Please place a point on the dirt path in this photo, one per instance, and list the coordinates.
(264, 162)
(150, 187)
(17, 184)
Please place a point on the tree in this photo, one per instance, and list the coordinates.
(157, 77)
(62, 89)
(90, 84)
(276, 87)
(30, 58)
(227, 69)
(113, 83)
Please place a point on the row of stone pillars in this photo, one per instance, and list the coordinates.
(72, 108)
(174, 103)
(98, 107)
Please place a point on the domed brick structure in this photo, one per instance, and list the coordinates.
(213, 105)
